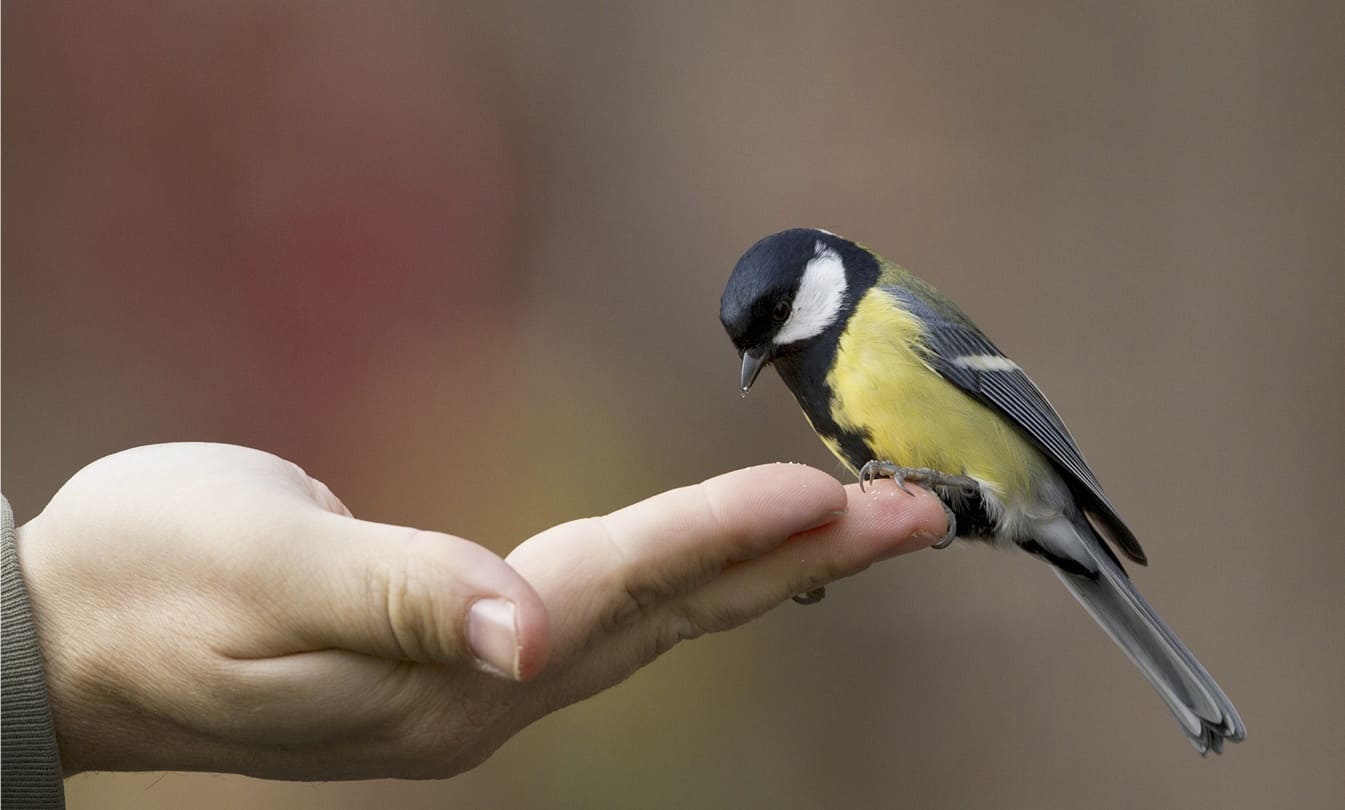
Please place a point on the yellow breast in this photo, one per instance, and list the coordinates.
(913, 417)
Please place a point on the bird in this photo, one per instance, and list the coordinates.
(899, 383)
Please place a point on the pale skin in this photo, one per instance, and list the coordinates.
(210, 607)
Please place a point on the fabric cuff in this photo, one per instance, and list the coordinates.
(30, 767)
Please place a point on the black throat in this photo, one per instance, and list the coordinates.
(804, 371)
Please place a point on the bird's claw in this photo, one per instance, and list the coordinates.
(947, 539)
(811, 597)
(925, 477)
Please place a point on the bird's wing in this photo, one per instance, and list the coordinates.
(960, 353)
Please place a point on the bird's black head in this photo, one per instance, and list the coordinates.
(789, 289)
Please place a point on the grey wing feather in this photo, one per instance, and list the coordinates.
(952, 337)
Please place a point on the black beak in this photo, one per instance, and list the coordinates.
(753, 361)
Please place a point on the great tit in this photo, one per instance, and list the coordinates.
(899, 383)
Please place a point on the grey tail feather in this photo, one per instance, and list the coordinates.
(1200, 706)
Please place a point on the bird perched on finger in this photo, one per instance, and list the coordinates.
(899, 383)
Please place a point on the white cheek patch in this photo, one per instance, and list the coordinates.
(818, 301)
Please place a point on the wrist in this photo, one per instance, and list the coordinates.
(74, 687)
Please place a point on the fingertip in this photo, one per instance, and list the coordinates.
(881, 523)
(507, 628)
(902, 521)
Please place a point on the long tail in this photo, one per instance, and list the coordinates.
(1201, 707)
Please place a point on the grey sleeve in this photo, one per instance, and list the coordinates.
(30, 765)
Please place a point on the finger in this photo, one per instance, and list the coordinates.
(881, 523)
(405, 594)
(673, 542)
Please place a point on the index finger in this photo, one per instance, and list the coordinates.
(672, 543)
(729, 518)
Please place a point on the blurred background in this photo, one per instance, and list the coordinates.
(463, 262)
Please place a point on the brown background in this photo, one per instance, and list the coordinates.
(463, 263)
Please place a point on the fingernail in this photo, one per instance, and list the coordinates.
(492, 632)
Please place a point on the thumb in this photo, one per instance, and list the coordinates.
(412, 595)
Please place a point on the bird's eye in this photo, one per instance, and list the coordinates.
(781, 311)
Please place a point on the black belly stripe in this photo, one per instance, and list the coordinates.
(805, 374)
(973, 521)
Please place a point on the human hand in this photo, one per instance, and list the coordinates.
(210, 607)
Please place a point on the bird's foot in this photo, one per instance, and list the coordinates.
(916, 475)
(812, 597)
(931, 479)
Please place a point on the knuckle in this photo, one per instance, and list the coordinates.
(632, 603)
(618, 615)
(620, 612)
(733, 536)
(641, 599)
(399, 590)
(715, 617)
(637, 592)
(674, 627)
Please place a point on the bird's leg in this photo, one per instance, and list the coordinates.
(931, 479)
